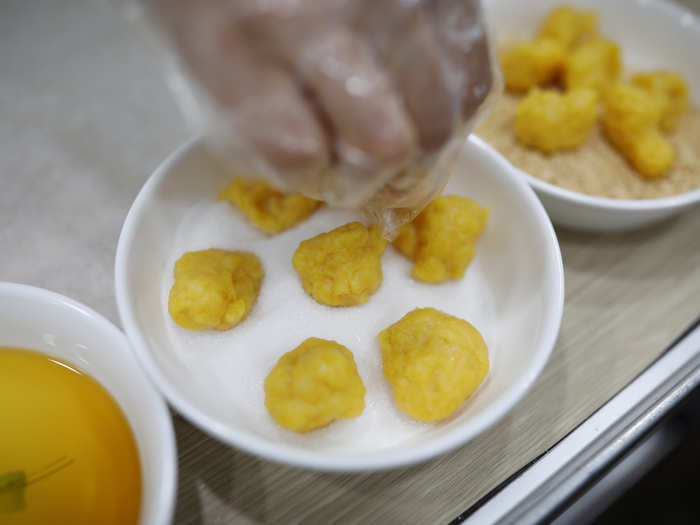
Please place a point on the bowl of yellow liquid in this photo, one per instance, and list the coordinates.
(84, 437)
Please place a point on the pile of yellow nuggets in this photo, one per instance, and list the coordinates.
(318, 382)
(567, 70)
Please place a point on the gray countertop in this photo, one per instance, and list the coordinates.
(85, 117)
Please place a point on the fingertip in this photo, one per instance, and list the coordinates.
(364, 111)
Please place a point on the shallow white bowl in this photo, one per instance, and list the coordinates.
(652, 34)
(513, 293)
(50, 323)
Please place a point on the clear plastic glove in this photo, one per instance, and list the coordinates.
(360, 103)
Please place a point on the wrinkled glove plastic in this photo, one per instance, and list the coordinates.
(360, 103)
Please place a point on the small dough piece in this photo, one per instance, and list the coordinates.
(595, 64)
(671, 92)
(631, 121)
(313, 385)
(550, 121)
(529, 64)
(214, 289)
(270, 210)
(342, 267)
(434, 362)
(568, 25)
(440, 240)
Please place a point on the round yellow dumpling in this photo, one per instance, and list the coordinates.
(214, 289)
(313, 385)
(595, 64)
(434, 362)
(568, 25)
(343, 266)
(550, 121)
(529, 64)
(270, 210)
(441, 239)
(631, 122)
(670, 91)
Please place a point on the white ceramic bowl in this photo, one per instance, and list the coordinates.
(44, 321)
(513, 293)
(653, 34)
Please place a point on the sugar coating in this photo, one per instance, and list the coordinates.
(226, 370)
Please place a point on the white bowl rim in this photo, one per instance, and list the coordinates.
(167, 488)
(287, 454)
(608, 203)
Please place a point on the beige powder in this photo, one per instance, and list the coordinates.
(596, 168)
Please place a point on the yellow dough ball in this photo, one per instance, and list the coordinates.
(341, 267)
(434, 362)
(631, 121)
(529, 64)
(670, 91)
(313, 385)
(270, 210)
(568, 25)
(441, 239)
(595, 64)
(214, 289)
(552, 121)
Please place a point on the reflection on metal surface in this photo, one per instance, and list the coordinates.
(570, 468)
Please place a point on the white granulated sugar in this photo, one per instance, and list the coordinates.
(230, 367)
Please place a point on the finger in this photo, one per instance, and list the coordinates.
(258, 105)
(282, 126)
(371, 128)
(461, 30)
(428, 87)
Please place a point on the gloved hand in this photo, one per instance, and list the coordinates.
(350, 101)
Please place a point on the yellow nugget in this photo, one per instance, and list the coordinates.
(569, 26)
(595, 64)
(551, 121)
(313, 385)
(631, 121)
(214, 289)
(670, 91)
(342, 267)
(270, 210)
(441, 239)
(529, 64)
(434, 362)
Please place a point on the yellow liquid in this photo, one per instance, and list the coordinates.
(67, 453)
